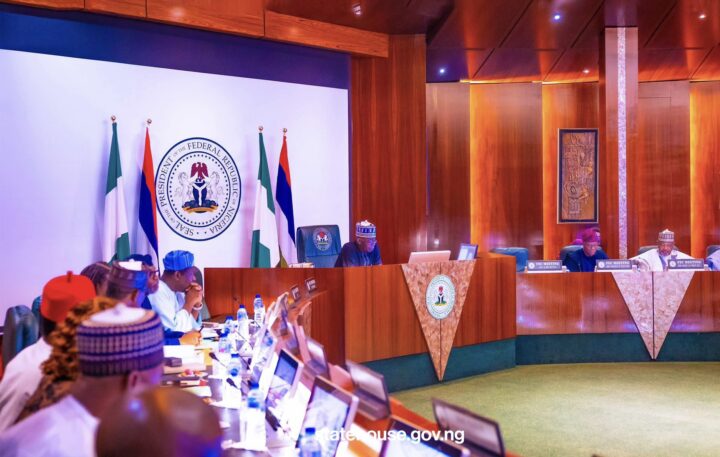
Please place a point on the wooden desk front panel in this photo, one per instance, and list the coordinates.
(381, 321)
(700, 309)
(566, 303)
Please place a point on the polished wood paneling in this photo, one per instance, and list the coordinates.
(448, 136)
(669, 64)
(705, 165)
(225, 288)
(563, 303)
(661, 168)
(682, 28)
(381, 321)
(53, 4)
(239, 17)
(710, 67)
(506, 166)
(281, 27)
(700, 309)
(517, 65)
(572, 65)
(134, 8)
(388, 163)
(563, 106)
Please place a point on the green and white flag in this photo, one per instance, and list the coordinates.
(265, 251)
(116, 242)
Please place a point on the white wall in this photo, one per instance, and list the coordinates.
(54, 143)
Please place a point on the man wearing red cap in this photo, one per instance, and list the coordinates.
(23, 373)
(584, 259)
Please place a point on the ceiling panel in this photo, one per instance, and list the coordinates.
(572, 65)
(508, 65)
(478, 24)
(444, 65)
(538, 27)
(683, 27)
(668, 64)
(386, 16)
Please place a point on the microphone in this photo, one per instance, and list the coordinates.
(215, 358)
(232, 383)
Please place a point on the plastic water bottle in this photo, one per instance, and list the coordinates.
(309, 444)
(224, 346)
(231, 394)
(243, 323)
(253, 420)
(259, 309)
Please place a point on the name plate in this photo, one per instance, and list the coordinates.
(544, 266)
(310, 284)
(295, 293)
(686, 264)
(614, 265)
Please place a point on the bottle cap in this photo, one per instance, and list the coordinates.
(257, 295)
(228, 318)
(235, 355)
(310, 431)
(242, 306)
(253, 385)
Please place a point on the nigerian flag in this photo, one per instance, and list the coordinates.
(265, 251)
(116, 242)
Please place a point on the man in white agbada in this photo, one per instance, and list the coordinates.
(178, 300)
(68, 427)
(657, 259)
(23, 373)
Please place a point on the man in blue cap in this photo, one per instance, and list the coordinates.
(178, 300)
(364, 251)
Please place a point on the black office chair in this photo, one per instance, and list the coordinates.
(20, 331)
(568, 249)
(521, 256)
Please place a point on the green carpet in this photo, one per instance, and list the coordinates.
(608, 409)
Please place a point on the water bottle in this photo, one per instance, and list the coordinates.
(253, 420)
(227, 326)
(224, 346)
(309, 444)
(243, 323)
(232, 395)
(259, 309)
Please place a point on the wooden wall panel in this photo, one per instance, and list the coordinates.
(239, 17)
(52, 4)
(705, 165)
(506, 166)
(700, 309)
(562, 303)
(388, 158)
(661, 169)
(133, 8)
(282, 27)
(448, 137)
(563, 106)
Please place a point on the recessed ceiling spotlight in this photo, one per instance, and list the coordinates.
(442, 70)
(357, 9)
(586, 71)
(702, 16)
(557, 17)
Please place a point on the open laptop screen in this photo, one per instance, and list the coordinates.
(368, 381)
(467, 251)
(283, 380)
(405, 442)
(317, 356)
(479, 432)
(429, 256)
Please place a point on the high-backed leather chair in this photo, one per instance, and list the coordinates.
(319, 244)
(644, 249)
(521, 256)
(20, 331)
(568, 249)
(204, 312)
(711, 249)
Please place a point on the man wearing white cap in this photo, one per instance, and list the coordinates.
(657, 259)
(120, 352)
(364, 251)
(178, 300)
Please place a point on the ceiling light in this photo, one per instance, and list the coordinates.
(442, 71)
(586, 71)
(357, 9)
(702, 16)
(556, 17)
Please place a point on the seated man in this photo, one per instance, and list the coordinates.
(181, 422)
(583, 260)
(22, 374)
(178, 300)
(657, 259)
(68, 427)
(364, 251)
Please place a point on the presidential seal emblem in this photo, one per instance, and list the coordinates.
(440, 297)
(198, 189)
(601, 264)
(322, 239)
(672, 264)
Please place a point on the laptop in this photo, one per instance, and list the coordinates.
(330, 410)
(467, 251)
(286, 334)
(283, 385)
(262, 364)
(482, 435)
(405, 439)
(371, 389)
(429, 256)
